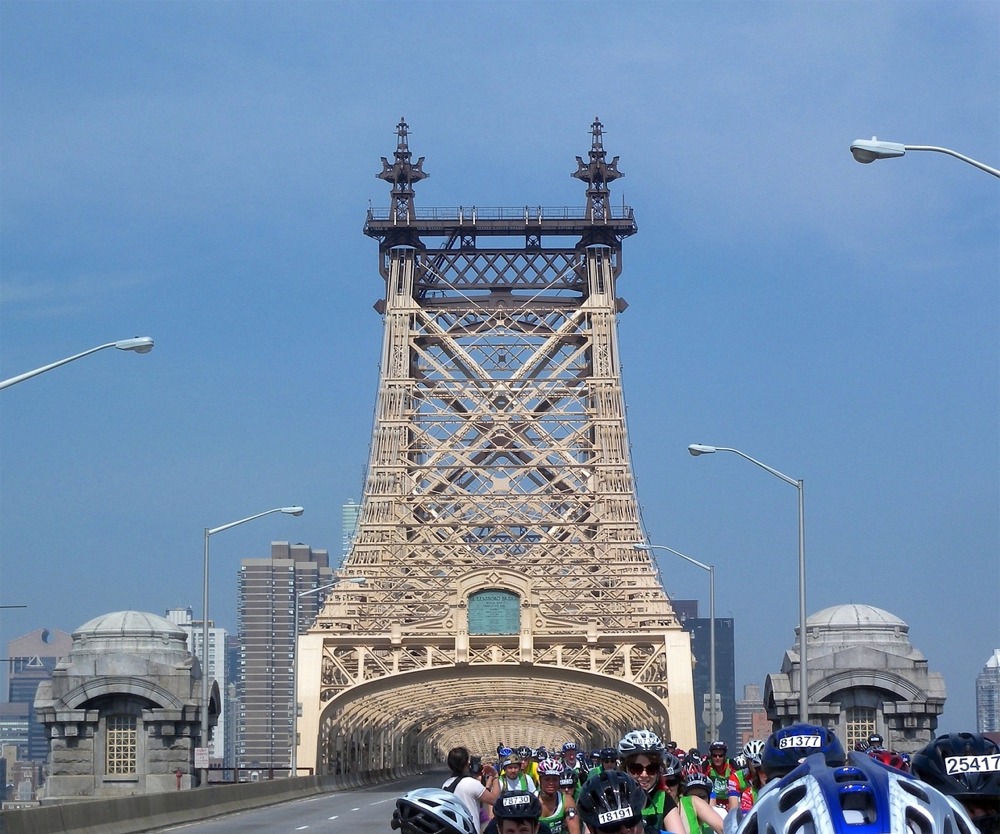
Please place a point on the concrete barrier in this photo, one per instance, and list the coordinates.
(145, 812)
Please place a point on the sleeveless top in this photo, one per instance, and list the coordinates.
(557, 822)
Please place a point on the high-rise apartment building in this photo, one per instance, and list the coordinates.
(270, 591)
(988, 696)
(218, 669)
(32, 658)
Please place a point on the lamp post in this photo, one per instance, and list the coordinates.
(293, 768)
(211, 531)
(868, 150)
(713, 724)
(140, 344)
(699, 449)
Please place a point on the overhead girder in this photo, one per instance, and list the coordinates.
(469, 704)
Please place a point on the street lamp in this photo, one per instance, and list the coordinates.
(293, 768)
(211, 531)
(868, 150)
(699, 449)
(140, 344)
(713, 724)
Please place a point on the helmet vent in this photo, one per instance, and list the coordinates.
(791, 797)
(913, 788)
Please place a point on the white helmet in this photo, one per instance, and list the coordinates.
(433, 811)
(863, 796)
(640, 741)
(753, 750)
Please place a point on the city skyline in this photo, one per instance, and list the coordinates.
(199, 173)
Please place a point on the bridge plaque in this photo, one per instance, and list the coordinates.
(494, 612)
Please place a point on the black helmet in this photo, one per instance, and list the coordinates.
(932, 765)
(517, 805)
(611, 797)
(608, 754)
(785, 748)
(523, 752)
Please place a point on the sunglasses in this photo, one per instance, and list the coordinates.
(637, 769)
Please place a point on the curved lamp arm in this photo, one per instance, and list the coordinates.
(140, 344)
(868, 150)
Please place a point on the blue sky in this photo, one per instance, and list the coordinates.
(199, 173)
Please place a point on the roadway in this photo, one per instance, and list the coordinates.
(361, 811)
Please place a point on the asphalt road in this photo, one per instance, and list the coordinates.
(364, 811)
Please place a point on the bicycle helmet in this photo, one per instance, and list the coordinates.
(550, 767)
(672, 766)
(567, 779)
(875, 741)
(523, 752)
(739, 761)
(517, 805)
(543, 753)
(432, 811)
(608, 754)
(889, 758)
(940, 765)
(698, 780)
(640, 741)
(504, 753)
(718, 747)
(785, 748)
(861, 796)
(609, 798)
(569, 745)
(753, 750)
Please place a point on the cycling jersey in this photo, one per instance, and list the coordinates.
(694, 825)
(557, 821)
(720, 783)
(658, 804)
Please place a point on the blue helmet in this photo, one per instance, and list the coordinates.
(785, 748)
(860, 797)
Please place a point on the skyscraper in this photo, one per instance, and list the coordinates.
(988, 696)
(266, 604)
(217, 668)
(32, 658)
(349, 514)
(725, 673)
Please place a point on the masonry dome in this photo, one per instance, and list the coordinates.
(136, 633)
(855, 616)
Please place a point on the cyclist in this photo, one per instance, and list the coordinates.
(470, 789)
(516, 812)
(694, 813)
(605, 759)
(787, 747)
(529, 766)
(571, 758)
(611, 803)
(558, 808)
(861, 795)
(719, 770)
(432, 811)
(641, 752)
(672, 771)
(965, 766)
(514, 779)
(743, 786)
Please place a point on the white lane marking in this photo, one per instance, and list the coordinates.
(333, 817)
(302, 828)
(355, 809)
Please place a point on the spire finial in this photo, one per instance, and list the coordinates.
(597, 173)
(402, 173)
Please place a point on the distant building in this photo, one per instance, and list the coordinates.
(349, 515)
(751, 717)
(725, 673)
(32, 658)
(864, 677)
(270, 591)
(988, 696)
(217, 667)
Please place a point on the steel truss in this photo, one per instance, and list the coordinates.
(499, 460)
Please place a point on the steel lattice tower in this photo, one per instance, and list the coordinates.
(502, 594)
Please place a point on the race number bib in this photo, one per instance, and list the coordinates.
(800, 741)
(957, 765)
(614, 816)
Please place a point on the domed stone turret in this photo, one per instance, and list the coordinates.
(130, 671)
(864, 677)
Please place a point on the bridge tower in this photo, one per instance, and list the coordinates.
(493, 591)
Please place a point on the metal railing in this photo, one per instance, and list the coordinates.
(473, 214)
